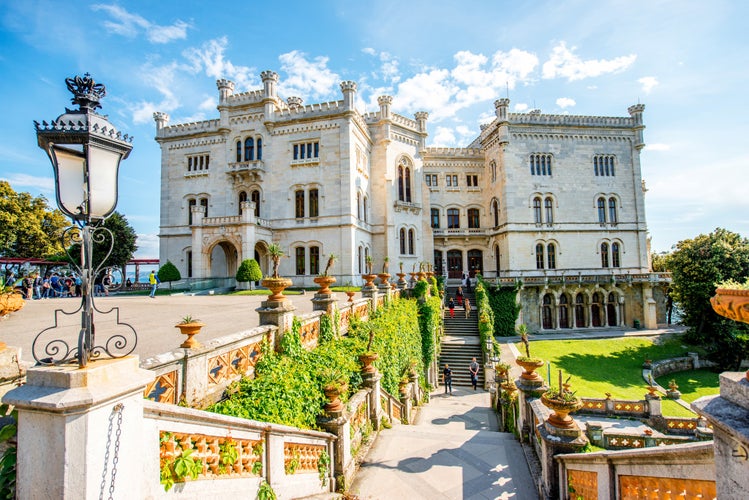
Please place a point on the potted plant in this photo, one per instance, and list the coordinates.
(275, 283)
(325, 279)
(368, 277)
(384, 275)
(333, 385)
(673, 390)
(401, 275)
(349, 290)
(529, 364)
(190, 327)
(369, 356)
(563, 402)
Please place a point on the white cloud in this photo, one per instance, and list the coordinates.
(306, 78)
(131, 25)
(148, 246)
(565, 102)
(564, 63)
(430, 91)
(46, 184)
(369, 50)
(648, 83)
(444, 137)
(162, 79)
(520, 107)
(658, 147)
(486, 117)
(209, 58)
(209, 103)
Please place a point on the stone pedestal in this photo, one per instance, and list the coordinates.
(372, 381)
(729, 416)
(324, 302)
(279, 313)
(343, 464)
(70, 419)
(371, 294)
(530, 390)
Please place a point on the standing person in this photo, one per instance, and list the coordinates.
(46, 287)
(38, 286)
(468, 307)
(459, 295)
(28, 285)
(447, 378)
(154, 281)
(468, 283)
(474, 369)
(451, 306)
(106, 282)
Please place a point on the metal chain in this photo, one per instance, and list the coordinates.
(117, 410)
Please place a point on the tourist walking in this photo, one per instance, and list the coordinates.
(474, 369)
(447, 378)
(154, 281)
(451, 306)
(459, 296)
(467, 307)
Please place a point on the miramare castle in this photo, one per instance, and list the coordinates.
(555, 202)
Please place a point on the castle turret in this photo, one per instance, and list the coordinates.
(270, 79)
(225, 89)
(421, 122)
(294, 102)
(161, 119)
(385, 101)
(500, 108)
(349, 93)
(636, 113)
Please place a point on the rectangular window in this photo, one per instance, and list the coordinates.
(299, 204)
(306, 150)
(313, 204)
(448, 181)
(473, 218)
(300, 261)
(198, 162)
(314, 260)
(296, 151)
(455, 180)
(453, 218)
(431, 180)
(540, 164)
(472, 180)
(435, 213)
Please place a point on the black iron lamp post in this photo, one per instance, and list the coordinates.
(85, 150)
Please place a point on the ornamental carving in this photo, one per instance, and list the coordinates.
(233, 364)
(210, 450)
(653, 487)
(301, 458)
(163, 389)
(732, 304)
(310, 332)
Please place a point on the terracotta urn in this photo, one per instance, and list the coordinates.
(350, 296)
(414, 276)
(401, 278)
(190, 329)
(332, 393)
(384, 277)
(324, 282)
(368, 280)
(508, 387)
(733, 304)
(561, 408)
(421, 275)
(276, 286)
(11, 302)
(367, 359)
(530, 365)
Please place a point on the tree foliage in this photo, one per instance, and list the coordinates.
(28, 227)
(124, 243)
(249, 270)
(697, 265)
(168, 273)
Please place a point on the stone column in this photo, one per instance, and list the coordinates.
(337, 423)
(70, 419)
(530, 390)
(325, 302)
(372, 381)
(279, 313)
(371, 294)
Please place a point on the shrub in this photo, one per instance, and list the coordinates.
(168, 273)
(249, 270)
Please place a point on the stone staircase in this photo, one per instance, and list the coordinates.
(461, 342)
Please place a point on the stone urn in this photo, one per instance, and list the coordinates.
(401, 278)
(562, 407)
(530, 365)
(350, 296)
(332, 393)
(11, 302)
(276, 286)
(733, 304)
(369, 280)
(190, 329)
(421, 275)
(508, 387)
(384, 277)
(367, 359)
(324, 282)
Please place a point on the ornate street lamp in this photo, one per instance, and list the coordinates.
(85, 150)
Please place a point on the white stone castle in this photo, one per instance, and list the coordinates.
(554, 203)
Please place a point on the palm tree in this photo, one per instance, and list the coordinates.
(275, 252)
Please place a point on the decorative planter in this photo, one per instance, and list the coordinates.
(384, 278)
(190, 329)
(333, 392)
(653, 391)
(10, 302)
(367, 360)
(324, 282)
(350, 296)
(429, 275)
(530, 367)
(732, 304)
(508, 387)
(414, 276)
(276, 286)
(401, 278)
(561, 418)
(421, 275)
(368, 280)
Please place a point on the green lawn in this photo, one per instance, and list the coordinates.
(598, 366)
(693, 384)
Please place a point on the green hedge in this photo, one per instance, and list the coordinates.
(504, 307)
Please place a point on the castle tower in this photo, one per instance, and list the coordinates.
(225, 89)
(500, 108)
(385, 101)
(161, 119)
(636, 113)
(270, 79)
(349, 94)
(421, 121)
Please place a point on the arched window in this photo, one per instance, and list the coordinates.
(539, 256)
(473, 218)
(249, 149)
(596, 308)
(551, 255)
(495, 209)
(407, 182)
(204, 204)
(411, 243)
(611, 309)
(497, 259)
(612, 211)
(259, 148)
(564, 312)
(358, 205)
(366, 256)
(615, 257)
(537, 210)
(494, 171)
(453, 218)
(299, 203)
(546, 313)
(314, 204)
(255, 197)
(364, 209)
(300, 261)
(438, 262)
(604, 255)
(580, 310)
(190, 204)
(359, 259)
(239, 151)
(314, 260)
(402, 237)
(400, 184)
(602, 210)
(549, 210)
(242, 199)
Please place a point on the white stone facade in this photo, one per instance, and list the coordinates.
(556, 201)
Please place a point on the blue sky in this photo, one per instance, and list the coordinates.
(685, 60)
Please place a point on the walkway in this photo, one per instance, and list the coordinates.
(453, 451)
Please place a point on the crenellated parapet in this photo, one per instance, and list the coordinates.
(453, 152)
(536, 118)
(243, 98)
(207, 126)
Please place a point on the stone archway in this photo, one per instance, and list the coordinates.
(222, 261)
(261, 256)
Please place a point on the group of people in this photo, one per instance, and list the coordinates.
(447, 376)
(34, 287)
(462, 302)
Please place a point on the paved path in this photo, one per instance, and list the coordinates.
(454, 451)
(153, 319)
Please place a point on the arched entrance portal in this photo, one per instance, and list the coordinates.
(454, 264)
(475, 262)
(223, 260)
(261, 256)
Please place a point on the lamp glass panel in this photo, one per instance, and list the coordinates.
(102, 172)
(70, 182)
